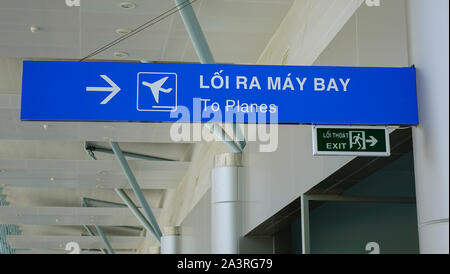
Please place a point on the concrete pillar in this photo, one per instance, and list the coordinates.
(225, 211)
(170, 241)
(429, 51)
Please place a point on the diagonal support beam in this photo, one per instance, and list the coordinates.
(104, 239)
(204, 54)
(93, 234)
(137, 213)
(100, 233)
(195, 31)
(87, 202)
(135, 186)
(218, 131)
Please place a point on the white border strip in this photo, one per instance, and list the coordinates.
(316, 151)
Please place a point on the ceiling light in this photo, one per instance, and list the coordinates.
(34, 29)
(45, 126)
(121, 54)
(123, 31)
(102, 172)
(127, 5)
(52, 179)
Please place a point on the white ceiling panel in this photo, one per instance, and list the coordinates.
(87, 183)
(85, 242)
(143, 7)
(63, 197)
(51, 5)
(73, 32)
(100, 174)
(68, 216)
(14, 129)
(77, 230)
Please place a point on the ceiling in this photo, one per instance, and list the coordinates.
(44, 168)
(237, 30)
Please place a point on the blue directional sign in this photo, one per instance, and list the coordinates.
(145, 92)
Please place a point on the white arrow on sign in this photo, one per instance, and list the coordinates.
(114, 89)
(373, 141)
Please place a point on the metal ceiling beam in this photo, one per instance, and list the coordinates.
(104, 239)
(104, 251)
(92, 202)
(68, 216)
(91, 149)
(136, 188)
(100, 232)
(205, 55)
(138, 214)
(195, 31)
(150, 224)
(218, 131)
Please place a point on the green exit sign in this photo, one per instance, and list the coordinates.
(351, 141)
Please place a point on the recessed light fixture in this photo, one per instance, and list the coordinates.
(121, 54)
(123, 31)
(127, 5)
(102, 172)
(34, 29)
(52, 179)
(45, 126)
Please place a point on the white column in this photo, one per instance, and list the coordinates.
(170, 241)
(429, 51)
(225, 206)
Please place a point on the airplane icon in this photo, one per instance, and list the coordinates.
(156, 87)
(157, 82)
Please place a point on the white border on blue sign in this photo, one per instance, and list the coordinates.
(316, 151)
(168, 109)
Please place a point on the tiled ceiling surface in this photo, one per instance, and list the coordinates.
(237, 30)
